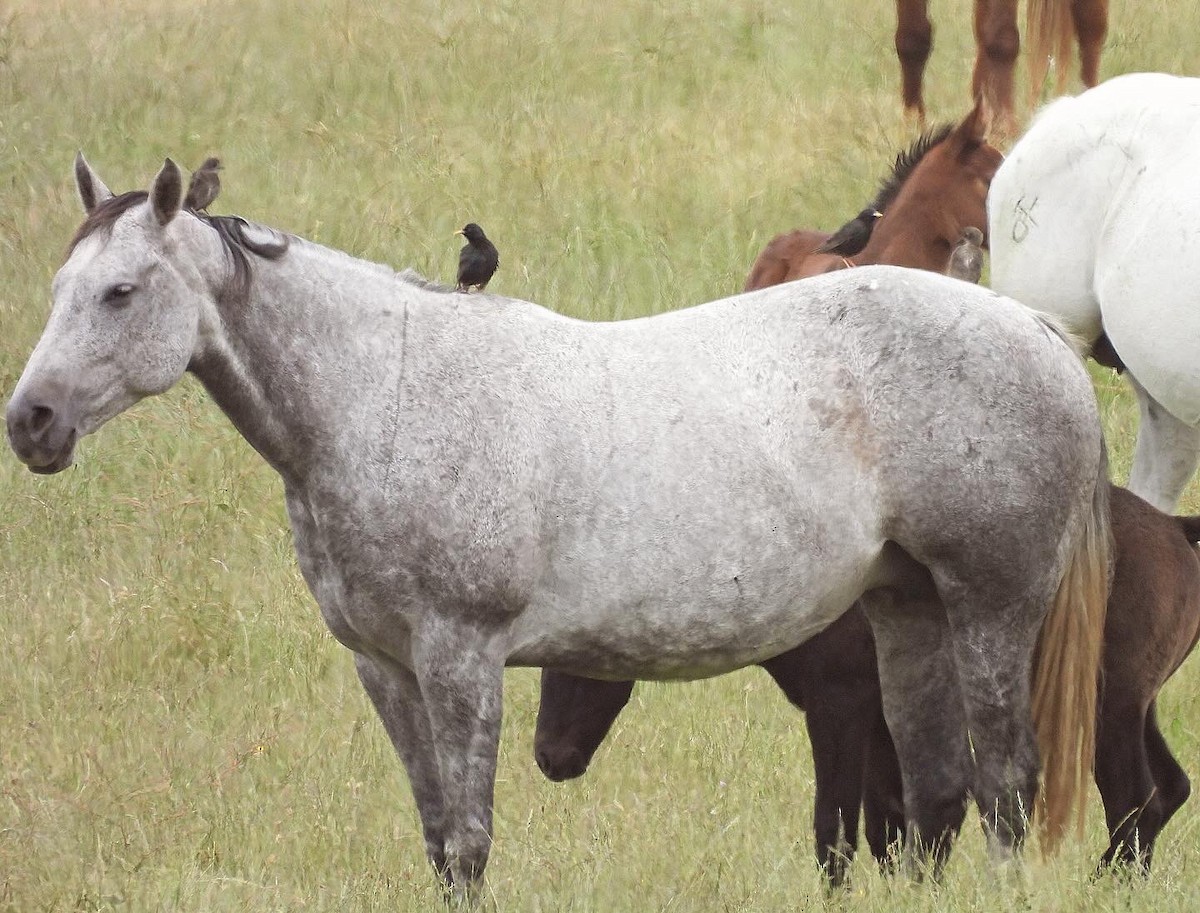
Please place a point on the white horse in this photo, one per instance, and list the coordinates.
(1093, 218)
(474, 481)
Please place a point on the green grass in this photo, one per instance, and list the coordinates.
(179, 731)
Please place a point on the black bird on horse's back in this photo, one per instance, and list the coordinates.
(478, 259)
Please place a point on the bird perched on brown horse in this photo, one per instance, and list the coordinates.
(936, 188)
(1050, 26)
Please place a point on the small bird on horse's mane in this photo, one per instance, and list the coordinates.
(204, 185)
(852, 237)
(966, 261)
(478, 259)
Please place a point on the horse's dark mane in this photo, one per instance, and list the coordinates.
(230, 229)
(906, 162)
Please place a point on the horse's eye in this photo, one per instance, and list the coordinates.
(118, 294)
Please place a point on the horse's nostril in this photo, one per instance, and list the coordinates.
(40, 418)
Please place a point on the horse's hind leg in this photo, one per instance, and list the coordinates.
(914, 41)
(1091, 27)
(1170, 782)
(924, 710)
(1125, 780)
(883, 796)
(1166, 454)
(994, 633)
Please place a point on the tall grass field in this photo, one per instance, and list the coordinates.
(178, 731)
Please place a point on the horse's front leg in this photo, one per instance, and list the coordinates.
(396, 695)
(914, 41)
(1165, 456)
(459, 665)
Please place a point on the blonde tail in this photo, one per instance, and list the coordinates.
(1049, 31)
(1066, 671)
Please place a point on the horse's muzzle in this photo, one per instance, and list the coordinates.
(41, 435)
(561, 763)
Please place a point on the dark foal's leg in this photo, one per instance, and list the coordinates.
(1171, 783)
(883, 797)
(832, 677)
(997, 44)
(1124, 778)
(573, 719)
(1091, 27)
(914, 41)
(926, 717)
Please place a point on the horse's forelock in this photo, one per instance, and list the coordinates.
(104, 216)
(230, 229)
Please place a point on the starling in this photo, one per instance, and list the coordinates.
(204, 185)
(852, 237)
(478, 260)
(966, 262)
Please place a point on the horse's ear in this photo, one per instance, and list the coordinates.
(92, 191)
(166, 193)
(973, 130)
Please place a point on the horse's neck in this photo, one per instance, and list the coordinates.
(298, 364)
(914, 239)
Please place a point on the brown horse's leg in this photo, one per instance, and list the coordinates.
(914, 41)
(997, 44)
(1170, 782)
(883, 797)
(1124, 778)
(837, 728)
(833, 678)
(1091, 28)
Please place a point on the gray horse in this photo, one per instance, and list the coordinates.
(476, 482)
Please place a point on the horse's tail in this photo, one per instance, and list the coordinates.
(1049, 29)
(1190, 527)
(1066, 672)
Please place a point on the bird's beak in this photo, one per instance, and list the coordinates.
(877, 215)
(459, 232)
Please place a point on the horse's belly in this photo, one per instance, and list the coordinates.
(675, 624)
(1149, 289)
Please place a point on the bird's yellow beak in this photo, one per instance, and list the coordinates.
(459, 232)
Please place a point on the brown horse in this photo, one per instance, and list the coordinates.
(1050, 25)
(936, 188)
(1152, 626)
